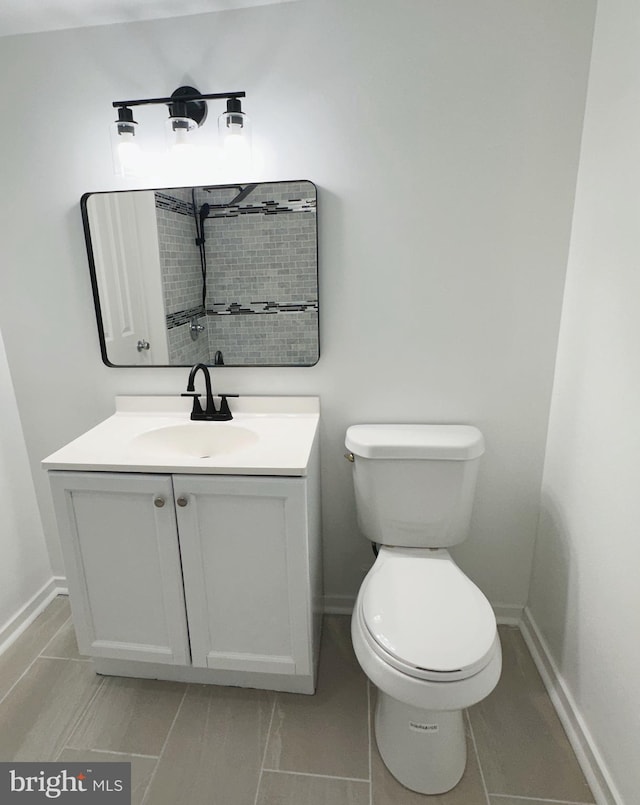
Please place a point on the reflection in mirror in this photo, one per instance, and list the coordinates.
(213, 274)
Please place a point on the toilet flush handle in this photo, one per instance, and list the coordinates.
(350, 457)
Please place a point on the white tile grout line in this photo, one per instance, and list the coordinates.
(164, 746)
(477, 754)
(266, 746)
(61, 659)
(111, 752)
(539, 799)
(68, 659)
(525, 799)
(101, 682)
(50, 641)
(321, 776)
(80, 716)
(37, 657)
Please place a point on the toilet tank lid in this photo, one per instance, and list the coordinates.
(444, 442)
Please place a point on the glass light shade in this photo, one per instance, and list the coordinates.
(234, 128)
(178, 130)
(125, 150)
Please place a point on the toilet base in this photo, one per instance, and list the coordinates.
(425, 750)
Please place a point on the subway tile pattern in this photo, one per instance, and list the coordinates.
(262, 257)
(283, 338)
(204, 745)
(252, 268)
(179, 261)
(292, 338)
(183, 350)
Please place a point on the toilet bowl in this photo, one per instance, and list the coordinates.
(422, 631)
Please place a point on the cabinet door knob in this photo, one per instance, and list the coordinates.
(159, 502)
(182, 501)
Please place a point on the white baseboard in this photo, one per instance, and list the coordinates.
(581, 740)
(338, 604)
(61, 585)
(507, 614)
(26, 615)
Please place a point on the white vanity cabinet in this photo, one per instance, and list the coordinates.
(118, 534)
(205, 578)
(247, 588)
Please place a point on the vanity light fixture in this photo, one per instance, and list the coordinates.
(233, 126)
(124, 146)
(187, 112)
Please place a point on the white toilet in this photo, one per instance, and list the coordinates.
(422, 631)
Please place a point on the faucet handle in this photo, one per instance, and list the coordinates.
(197, 408)
(224, 412)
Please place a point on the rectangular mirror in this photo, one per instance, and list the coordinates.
(223, 274)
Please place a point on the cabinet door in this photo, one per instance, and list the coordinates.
(123, 565)
(245, 565)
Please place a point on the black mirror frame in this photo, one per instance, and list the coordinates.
(96, 297)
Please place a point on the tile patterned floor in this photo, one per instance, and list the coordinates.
(207, 745)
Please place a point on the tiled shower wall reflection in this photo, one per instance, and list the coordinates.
(181, 274)
(261, 254)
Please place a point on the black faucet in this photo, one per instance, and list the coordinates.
(210, 413)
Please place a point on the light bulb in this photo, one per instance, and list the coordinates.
(234, 128)
(125, 149)
(179, 133)
(182, 151)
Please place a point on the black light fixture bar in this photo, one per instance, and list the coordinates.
(187, 110)
(183, 98)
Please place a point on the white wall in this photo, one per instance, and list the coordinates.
(24, 562)
(585, 595)
(444, 139)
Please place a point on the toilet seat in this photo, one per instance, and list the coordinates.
(424, 617)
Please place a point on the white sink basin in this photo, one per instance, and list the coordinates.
(267, 436)
(194, 439)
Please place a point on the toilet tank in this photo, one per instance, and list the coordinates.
(415, 484)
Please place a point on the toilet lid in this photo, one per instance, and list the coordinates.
(445, 442)
(426, 615)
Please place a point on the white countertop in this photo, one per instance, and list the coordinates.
(282, 433)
